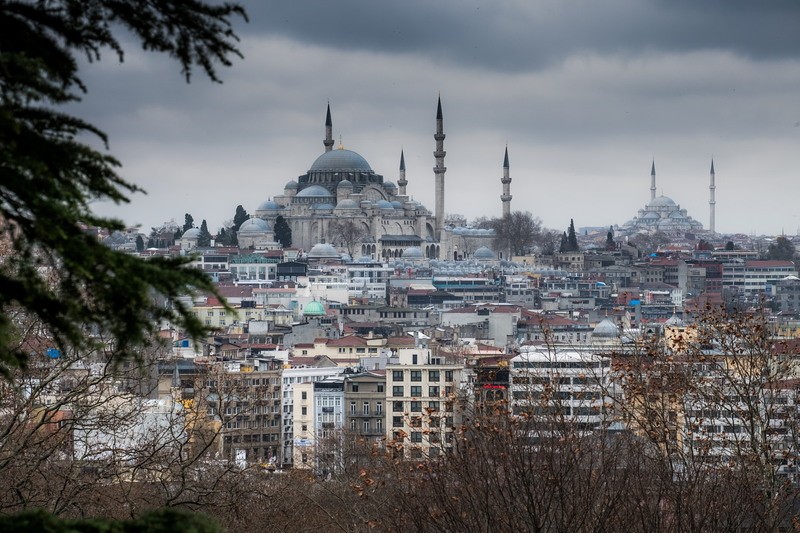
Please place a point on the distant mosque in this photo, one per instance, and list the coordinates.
(663, 214)
(341, 186)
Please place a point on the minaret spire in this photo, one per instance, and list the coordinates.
(402, 182)
(439, 169)
(653, 181)
(711, 201)
(506, 181)
(328, 142)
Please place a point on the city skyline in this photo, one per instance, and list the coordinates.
(584, 97)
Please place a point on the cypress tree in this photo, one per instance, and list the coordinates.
(283, 233)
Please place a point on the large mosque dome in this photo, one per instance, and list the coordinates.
(340, 161)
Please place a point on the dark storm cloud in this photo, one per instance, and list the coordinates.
(522, 35)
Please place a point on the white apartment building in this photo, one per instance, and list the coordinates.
(297, 394)
(754, 276)
(423, 394)
(571, 385)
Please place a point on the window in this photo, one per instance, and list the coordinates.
(397, 375)
(433, 391)
(365, 408)
(416, 436)
(416, 407)
(379, 424)
(397, 407)
(433, 375)
(353, 424)
(433, 406)
(415, 422)
(354, 387)
(365, 426)
(378, 408)
(305, 427)
(304, 410)
(304, 395)
(397, 421)
(448, 375)
(414, 359)
(397, 391)
(352, 408)
(416, 375)
(380, 387)
(416, 391)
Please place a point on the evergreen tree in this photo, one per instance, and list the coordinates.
(564, 246)
(51, 173)
(239, 217)
(204, 240)
(283, 233)
(572, 239)
(610, 244)
(139, 243)
(729, 246)
(782, 250)
(188, 223)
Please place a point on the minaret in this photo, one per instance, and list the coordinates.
(506, 181)
(328, 142)
(711, 201)
(402, 182)
(653, 181)
(439, 169)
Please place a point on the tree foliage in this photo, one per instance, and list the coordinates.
(782, 250)
(283, 233)
(239, 217)
(346, 234)
(51, 174)
(204, 240)
(188, 222)
(516, 232)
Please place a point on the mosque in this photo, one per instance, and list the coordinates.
(664, 215)
(340, 188)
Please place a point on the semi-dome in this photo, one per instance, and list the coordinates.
(483, 253)
(345, 183)
(662, 201)
(413, 252)
(269, 205)
(323, 251)
(191, 233)
(314, 191)
(396, 204)
(383, 204)
(340, 160)
(347, 204)
(314, 308)
(606, 329)
(389, 185)
(254, 225)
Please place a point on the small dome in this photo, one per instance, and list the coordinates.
(383, 204)
(483, 253)
(323, 251)
(254, 225)
(314, 191)
(413, 252)
(651, 216)
(323, 207)
(314, 308)
(389, 185)
(396, 204)
(291, 185)
(347, 204)
(269, 205)
(191, 233)
(677, 215)
(662, 201)
(345, 183)
(340, 160)
(606, 329)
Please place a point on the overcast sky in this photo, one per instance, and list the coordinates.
(584, 93)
